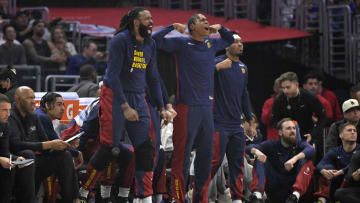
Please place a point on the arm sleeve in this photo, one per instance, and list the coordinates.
(277, 113)
(266, 112)
(332, 137)
(30, 49)
(4, 146)
(318, 109)
(117, 53)
(153, 81)
(246, 100)
(164, 92)
(48, 127)
(22, 55)
(72, 64)
(265, 147)
(354, 165)
(308, 150)
(226, 39)
(327, 161)
(167, 44)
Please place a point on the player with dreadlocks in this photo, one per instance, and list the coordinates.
(131, 70)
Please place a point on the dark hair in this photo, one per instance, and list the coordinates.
(49, 98)
(280, 123)
(343, 126)
(36, 14)
(86, 44)
(4, 98)
(87, 71)
(290, 76)
(6, 27)
(8, 72)
(37, 22)
(19, 13)
(192, 21)
(127, 20)
(234, 32)
(355, 88)
(311, 76)
(55, 28)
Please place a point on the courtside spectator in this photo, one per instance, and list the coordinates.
(8, 82)
(21, 25)
(331, 97)
(351, 110)
(355, 92)
(87, 86)
(11, 52)
(65, 48)
(311, 83)
(89, 55)
(266, 114)
(42, 52)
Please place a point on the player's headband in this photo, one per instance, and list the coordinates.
(236, 36)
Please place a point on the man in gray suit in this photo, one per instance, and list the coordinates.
(87, 86)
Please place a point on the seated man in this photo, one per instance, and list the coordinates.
(87, 86)
(8, 82)
(25, 192)
(336, 162)
(50, 157)
(283, 164)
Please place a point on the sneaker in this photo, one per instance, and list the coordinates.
(82, 200)
(292, 199)
(254, 199)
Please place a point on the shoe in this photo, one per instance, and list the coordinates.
(82, 200)
(292, 199)
(107, 200)
(254, 199)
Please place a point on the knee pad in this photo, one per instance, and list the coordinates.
(144, 156)
(102, 157)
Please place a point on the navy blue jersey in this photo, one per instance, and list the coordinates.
(336, 159)
(278, 155)
(196, 64)
(132, 68)
(231, 95)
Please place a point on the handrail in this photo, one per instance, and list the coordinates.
(54, 83)
(44, 8)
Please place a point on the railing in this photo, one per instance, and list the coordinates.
(355, 48)
(45, 12)
(337, 35)
(66, 81)
(27, 74)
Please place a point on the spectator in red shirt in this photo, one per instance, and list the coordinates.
(311, 83)
(331, 97)
(271, 132)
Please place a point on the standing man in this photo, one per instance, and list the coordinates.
(298, 104)
(229, 105)
(194, 124)
(283, 167)
(10, 174)
(131, 69)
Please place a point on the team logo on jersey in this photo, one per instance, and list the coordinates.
(307, 171)
(208, 45)
(243, 70)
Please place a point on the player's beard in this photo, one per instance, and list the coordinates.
(143, 31)
(290, 140)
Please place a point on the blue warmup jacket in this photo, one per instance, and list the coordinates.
(231, 95)
(277, 154)
(132, 68)
(336, 159)
(196, 63)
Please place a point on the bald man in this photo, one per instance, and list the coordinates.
(51, 157)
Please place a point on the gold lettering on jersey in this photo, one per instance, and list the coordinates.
(139, 60)
(208, 44)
